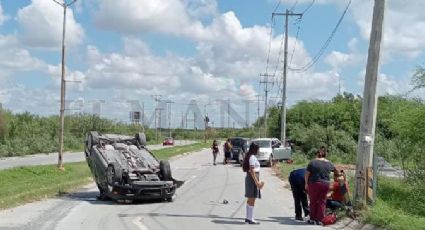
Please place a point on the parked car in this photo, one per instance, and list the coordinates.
(168, 141)
(124, 169)
(271, 149)
(239, 147)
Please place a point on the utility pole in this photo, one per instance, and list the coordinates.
(228, 113)
(285, 70)
(143, 116)
(369, 108)
(266, 83)
(159, 123)
(258, 113)
(169, 102)
(157, 99)
(65, 5)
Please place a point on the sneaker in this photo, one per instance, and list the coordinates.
(318, 223)
(311, 222)
(251, 221)
(299, 218)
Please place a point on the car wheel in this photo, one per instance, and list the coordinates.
(270, 161)
(141, 138)
(113, 174)
(165, 170)
(241, 159)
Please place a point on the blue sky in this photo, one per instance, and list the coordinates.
(205, 50)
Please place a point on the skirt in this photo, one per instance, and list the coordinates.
(251, 189)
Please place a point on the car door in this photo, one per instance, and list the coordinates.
(277, 150)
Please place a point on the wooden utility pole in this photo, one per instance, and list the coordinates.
(62, 106)
(266, 81)
(285, 70)
(369, 109)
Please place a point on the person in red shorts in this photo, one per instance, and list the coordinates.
(339, 192)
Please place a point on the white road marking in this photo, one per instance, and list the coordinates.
(138, 223)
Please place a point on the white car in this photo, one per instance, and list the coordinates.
(271, 149)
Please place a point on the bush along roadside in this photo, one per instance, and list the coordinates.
(26, 184)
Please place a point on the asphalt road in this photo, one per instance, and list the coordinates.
(68, 157)
(198, 204)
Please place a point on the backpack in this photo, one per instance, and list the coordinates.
(329, 219)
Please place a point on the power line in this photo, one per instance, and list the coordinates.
(296, 39)
(309, 6)
(294, 5)
(324, 46)
(272, 22)
(277, 6)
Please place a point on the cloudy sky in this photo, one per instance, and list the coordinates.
(123, 52)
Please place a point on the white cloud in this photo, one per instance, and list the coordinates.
(41, 25)
(201, 8)
(132, 16)
(14, 58)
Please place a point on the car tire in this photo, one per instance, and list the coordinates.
(270, 161)
(113, 174)
(141, 138)
(243, 157)
(165, 170)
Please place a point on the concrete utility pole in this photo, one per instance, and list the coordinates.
(65, 5)
(369, 107)
(266, 81)
(285, 70)
(169, 102)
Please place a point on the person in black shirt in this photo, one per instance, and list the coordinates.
(317, 185)
(297, 182)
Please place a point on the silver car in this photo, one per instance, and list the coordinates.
(271, 149)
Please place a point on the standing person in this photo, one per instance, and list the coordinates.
(215, 151)
(317, 185)
(253, 185)
(227, 150)
(297, 182)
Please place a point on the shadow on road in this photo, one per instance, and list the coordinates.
(216, 219)
(90, 196)
(288, 220)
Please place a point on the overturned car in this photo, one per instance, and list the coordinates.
(124, 169)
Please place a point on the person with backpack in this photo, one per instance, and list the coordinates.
(253, 185)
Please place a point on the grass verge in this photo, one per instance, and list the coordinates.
(26, 184)
(167, 153)
(399, 205)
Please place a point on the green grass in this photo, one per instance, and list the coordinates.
(166, 153)
(399, 205)
(300, 161)
(25, 184)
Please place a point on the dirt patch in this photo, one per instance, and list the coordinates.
(345, 167)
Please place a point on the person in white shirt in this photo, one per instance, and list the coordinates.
(253, 185)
